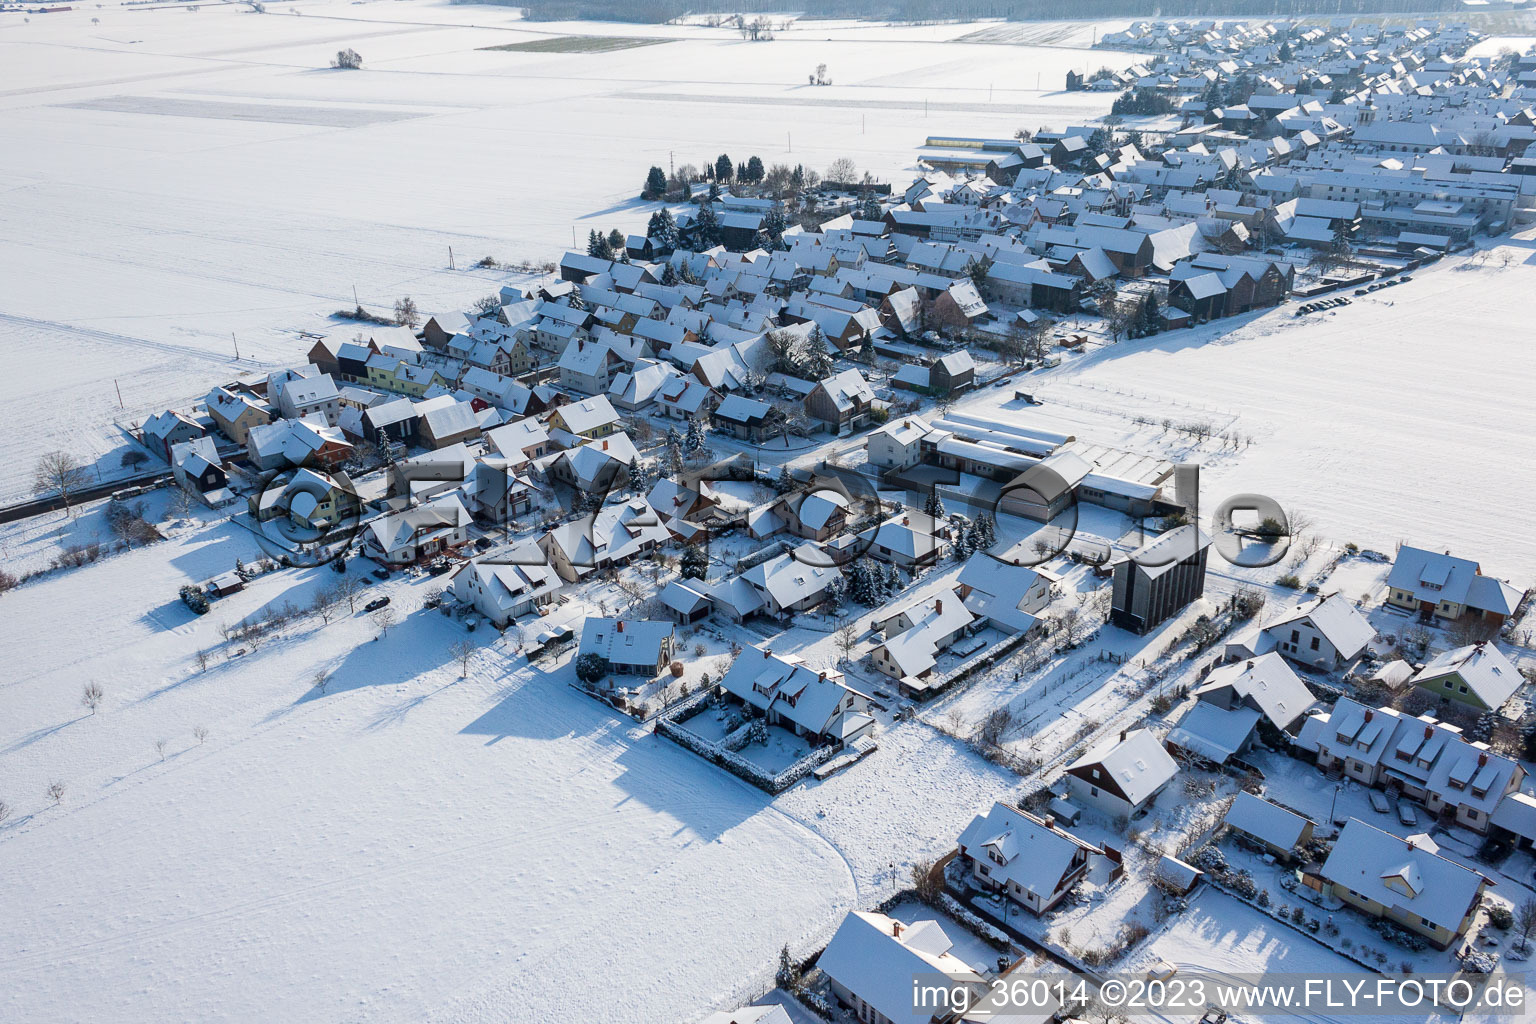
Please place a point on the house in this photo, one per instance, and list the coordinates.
(770, 1013)
(1120, 776)
(685, 398)
(597, 467)
(873, 962)
(284, 443)
(397, 421)
(629, 647)
(198, 470)
(590, 418)
(588, 366)
(1478, 675)
(1269, 826)
(1322, 633)
(495, 493)
(1029, 859)
(311, 500)
(642, 385)
(397, 538)
(684, 604)
(1265, 684)
(911, 540)
(521, 440)
(1156, 581)
(517, 583)
(787, 583)
(447, 421)
(302, 396)
(235, 413)
(816, 515)
(916, 634)
(844, 401)
(1008, 597)
(960, 305)
(615, 535)
(1440, 586)
(164, 430)
(1213, 733)
(1422, 758)
(1404, 881)
(898, 444)
(815, 704)
(745, 419)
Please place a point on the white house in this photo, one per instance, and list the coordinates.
(399, 537)
(633, 647)
(1030, 859)
(1266, 684)
(1121, 775)
(816, 704)
(916, 633)
(872, 961)
(1323, 633)
(898, 444)
(1007, 596)
(519, 582)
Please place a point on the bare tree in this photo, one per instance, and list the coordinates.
(91, 697)
(462, 652)
(995, 727)
(384, 618)
(843, 170)
(58, 471)
(406, 313)
(201, 657)
(55, 792)
(5, 811)
(632, 589)
(1525, 920)
(200, 733)
(347, 589)
(847, 638)
(160, 748)
(320, 678)
(325, 604)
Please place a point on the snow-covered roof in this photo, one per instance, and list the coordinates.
(877, 957)
(1265, 682)
(1214, 733)
(1482, 667)
(1266, 822)
(1335, 618)
(1135, 760)
(1034, 856)
(1397, 873)
(625, 641)
(936, 618)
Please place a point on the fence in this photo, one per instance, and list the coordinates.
(669, 724)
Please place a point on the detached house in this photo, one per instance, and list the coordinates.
(629, 647)
(916, 634)
(814, 704)
(1121, 776)
(911, 540)
(1478, 675)
(1322, 633)
(1440, 586)
(431, 529)
(165, 430)
(1028, 859)
(1405, 881)
(873, 962)
(520, 582)
(235, 413)
(844, 401)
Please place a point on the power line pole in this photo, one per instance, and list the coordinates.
(354, 300)
(450, 258)
(237, 341)
(119, 387)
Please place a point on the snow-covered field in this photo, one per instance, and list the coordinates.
(175, 176)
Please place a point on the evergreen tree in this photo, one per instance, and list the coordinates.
(695, 564)
(706, 227)
(892, 580)
(694, 442)
(754, 170)
(934, 506)
(964, 542)
(663, 228)
(797, 177)
(593, 243)
(773, 229)
(724, 170)
(870, 209)
(1285, 49)
(655, 184)
(672, 462)
(984, 532)
(668, 275)
(1151, 316)
(641, 475)
(785, 481)
(714, 192)
(862, 584)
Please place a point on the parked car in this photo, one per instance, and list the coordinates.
(376, 604)
(1406, 814)
(1379, 802)
(381, 573)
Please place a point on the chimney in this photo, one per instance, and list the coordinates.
(605, 446)
(767, 653)
(938, 607)
(1050, 821)
(1123, 734)
(905, 521)
(1482, 759)
(1369, 714)
(1429, 731)
(621, 625)
(822, 677)
(896, 929)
